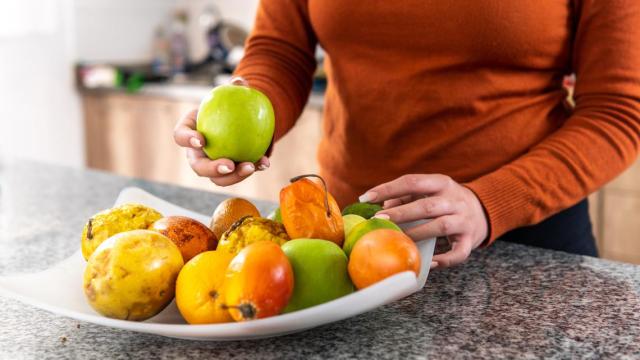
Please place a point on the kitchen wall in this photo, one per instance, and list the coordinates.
(39, 110)
(118, 30)
(41, 40)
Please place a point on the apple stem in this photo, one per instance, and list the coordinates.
(324, 184)
(238, 80)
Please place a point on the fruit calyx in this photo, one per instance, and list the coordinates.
(247, 310)
(324, 185)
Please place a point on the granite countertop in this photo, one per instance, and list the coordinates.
(507, 301)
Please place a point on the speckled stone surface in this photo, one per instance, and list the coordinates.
(508, 301)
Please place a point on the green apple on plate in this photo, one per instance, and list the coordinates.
(351, 220)
(319, 271)
(364, 227)
(237, 123)
(275, 215)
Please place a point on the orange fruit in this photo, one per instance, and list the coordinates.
(199, 287)
(309, 211)
(259, 282)
(191, 236)
(380, 254)
(228, 212)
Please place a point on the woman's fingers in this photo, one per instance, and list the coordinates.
(263, 164)
(203, 166)
(441, 226)
(407, 185)
(460, 251)
(397, 201)
(245, 169)
(185, 133)
(424, 208)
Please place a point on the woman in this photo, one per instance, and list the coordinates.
(456, 109)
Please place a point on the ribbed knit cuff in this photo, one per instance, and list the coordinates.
(504, 200)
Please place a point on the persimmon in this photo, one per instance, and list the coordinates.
(380, 254)
(309, 211)
(258, 282)
(228, 212)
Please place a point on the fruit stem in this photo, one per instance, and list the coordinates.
(324, 184)
(247, 310)
(238, 80)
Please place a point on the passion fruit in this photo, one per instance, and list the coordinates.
(249, 230)
(132, 275)
(112, 221)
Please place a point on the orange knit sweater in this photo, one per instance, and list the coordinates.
(471, 89)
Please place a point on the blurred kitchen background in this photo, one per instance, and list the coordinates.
(101, 83)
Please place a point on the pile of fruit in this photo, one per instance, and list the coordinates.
(243, 266)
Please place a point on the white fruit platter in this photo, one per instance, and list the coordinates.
(59, 290)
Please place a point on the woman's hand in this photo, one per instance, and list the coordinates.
(222, 172)
(454, 212)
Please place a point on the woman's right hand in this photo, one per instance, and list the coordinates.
(222, 172)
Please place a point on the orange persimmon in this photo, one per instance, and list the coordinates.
(309, 211)
(380, 254)
(258, 282)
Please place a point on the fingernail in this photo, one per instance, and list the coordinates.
(368, 197)
(433, 265)
(263, 167)
(195, 142)
(382, 216)
(249, 168)
(224, 169)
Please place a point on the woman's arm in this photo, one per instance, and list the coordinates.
(596, 143)
(279, 58)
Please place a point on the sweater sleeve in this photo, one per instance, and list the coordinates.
(597, 142)
(279, 58)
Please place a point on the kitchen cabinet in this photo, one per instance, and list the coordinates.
(132, 135)
(618, 216)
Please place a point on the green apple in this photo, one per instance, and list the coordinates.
(364, 227)
(275, 215)
(366, 210)
(237, 123)
(351, 220)
(319, 271)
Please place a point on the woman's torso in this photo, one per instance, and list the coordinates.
(430, 86)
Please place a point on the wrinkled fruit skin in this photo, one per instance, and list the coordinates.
(249, 230)
(199, 289)
(380, 254)
(228, 212)
(366, 210)
(319, 271)
(304, 215)
(112, 221)
(259, 282)
(132, 275)
(191, 236)
(237, 123)
(364, 227)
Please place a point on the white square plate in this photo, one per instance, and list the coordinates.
(59, 290)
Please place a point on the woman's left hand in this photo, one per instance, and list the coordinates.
(453, 210)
